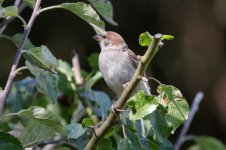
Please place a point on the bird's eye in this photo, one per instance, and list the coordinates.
(104, 36)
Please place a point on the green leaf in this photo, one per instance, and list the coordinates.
(167, 145)
(134, 138)
(103, 101)
(21, 94)
(17, 38)
(145, 39)
(65, 68)
(177, 106)
(125, 144)
(41, 124)
(93, 61)
(143, 111)
(167, 37)
(74, 130)
(8, 11)
(208, 143)
(159, 124)
(41, 57)
(9, 142)
(47, 82)
(87, 13)
(63, 148)
(87, 122)
(142, 104)
(30, 3)
(93, 80)
(105, 144)
(105, 9)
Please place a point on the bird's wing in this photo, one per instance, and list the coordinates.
(133, 58)
(143, 85)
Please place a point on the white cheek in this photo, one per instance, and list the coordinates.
(104, 47)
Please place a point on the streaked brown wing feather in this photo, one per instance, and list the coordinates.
(134, 59)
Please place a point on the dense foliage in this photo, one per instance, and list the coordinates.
(49, 106)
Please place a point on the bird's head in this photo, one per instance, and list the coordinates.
(111, 40)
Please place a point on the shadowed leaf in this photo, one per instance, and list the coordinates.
(74, 130)
(41, 57)
(87, 13)
(9, 142)
(105, 9)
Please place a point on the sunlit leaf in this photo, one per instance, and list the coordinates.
(17, 38)
(9, 142)
(142, 104)
(74, 130)
(105, 9)
(41, 57)
(125, 144)
(167, 37)
(87, 13)
(177, 106)
(87, 122)
(8, 11)
(145, 39)
(40, 125)
(207, 143)
(93, 61)
(65, 68)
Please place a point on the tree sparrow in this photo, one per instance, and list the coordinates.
(118, 63)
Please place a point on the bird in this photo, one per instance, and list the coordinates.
(118, 63)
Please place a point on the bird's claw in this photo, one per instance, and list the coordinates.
(143, 78)
(113, 109)
(125, 85)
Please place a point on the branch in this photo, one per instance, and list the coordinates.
(76, 68)
(12, 73)
(79, 82)
(194, 108)
(145, 60)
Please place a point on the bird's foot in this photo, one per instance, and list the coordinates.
(114, 108)
(143, 78)
(125, 85)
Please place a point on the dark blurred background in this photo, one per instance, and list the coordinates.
(194, 61)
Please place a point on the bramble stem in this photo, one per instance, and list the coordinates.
(100, 132)
(12, 73)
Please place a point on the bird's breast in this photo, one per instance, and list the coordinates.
(116, 69)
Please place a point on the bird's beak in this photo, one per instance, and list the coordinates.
(97, 38)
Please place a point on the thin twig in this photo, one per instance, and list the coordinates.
(145, 60)
(80, 83)
(194, 108)
(123, 127)
(76, 68)
(18, 55)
